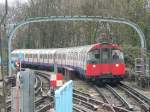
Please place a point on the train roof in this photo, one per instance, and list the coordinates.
(81, 49)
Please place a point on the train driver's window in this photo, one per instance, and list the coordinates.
(117, 55)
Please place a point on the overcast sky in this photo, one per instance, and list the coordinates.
(11, 2)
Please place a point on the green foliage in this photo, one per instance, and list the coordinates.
(64, 34)
(130, 53)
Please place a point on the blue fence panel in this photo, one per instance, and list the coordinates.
(63, 98)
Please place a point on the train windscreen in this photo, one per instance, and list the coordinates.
(117, 55)
(105, 55)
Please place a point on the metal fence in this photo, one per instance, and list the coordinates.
(63, 98)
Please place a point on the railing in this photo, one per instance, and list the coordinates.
(139, 66)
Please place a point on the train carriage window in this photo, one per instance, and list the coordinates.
(26, 55)
(64, 56)
(75, 55)
(34, 55)
(40, 56)
(49, 56)
(45, 56)
(30, 55)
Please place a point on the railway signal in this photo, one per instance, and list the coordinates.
(56, 80)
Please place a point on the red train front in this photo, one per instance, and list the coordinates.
(105, 62)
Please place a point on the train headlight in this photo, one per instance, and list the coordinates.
(94, 66)
(117, 65)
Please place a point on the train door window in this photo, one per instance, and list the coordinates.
(94, 56)
(105, 55)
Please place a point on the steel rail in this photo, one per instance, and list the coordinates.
(82, 93)
(142, 103)
(105, 105)
(39, 86)
(46, 107)
(82, 108)
(86, 104)
(43, 74)
(101, 94)
(77, 109)
(8, 105)
(104, 97)
(41, 100)
(36, 83)
(143, 97)
(127, 105)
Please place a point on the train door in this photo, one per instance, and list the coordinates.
(105, 61)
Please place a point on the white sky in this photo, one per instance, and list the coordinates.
(11, 2)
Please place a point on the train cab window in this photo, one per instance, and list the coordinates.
(105, 52)
(117, 55)
(94, 56)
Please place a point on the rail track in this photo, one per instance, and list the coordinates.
(142, 100)
(120, 98)
(44, 101)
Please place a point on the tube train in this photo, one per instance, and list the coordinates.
(97, 62)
